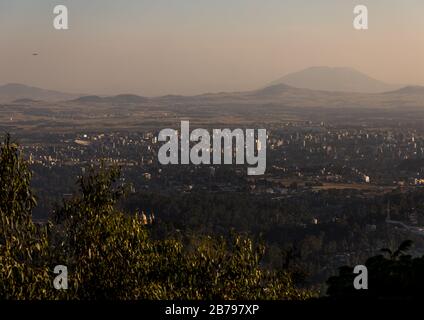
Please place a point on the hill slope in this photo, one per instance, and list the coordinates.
(15, 91)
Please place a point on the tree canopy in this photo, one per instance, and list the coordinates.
(110, 254)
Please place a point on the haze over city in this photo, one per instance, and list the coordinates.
(191, 47)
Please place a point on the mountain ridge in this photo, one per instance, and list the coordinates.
(277, 91)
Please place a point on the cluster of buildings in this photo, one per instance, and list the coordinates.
(298, 158)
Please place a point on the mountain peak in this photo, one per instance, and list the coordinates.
(334, 79)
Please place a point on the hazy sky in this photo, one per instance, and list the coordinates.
(154, 47)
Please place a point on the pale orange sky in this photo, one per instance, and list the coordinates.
(155, 47)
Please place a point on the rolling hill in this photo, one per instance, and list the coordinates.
(15, 91)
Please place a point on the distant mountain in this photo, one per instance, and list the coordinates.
(288, 96)
(334, 79)
(333, 87)
(15, 91)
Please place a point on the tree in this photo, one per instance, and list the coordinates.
(24, 272)
(396, 275)
(110, 254)
(394, 255)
